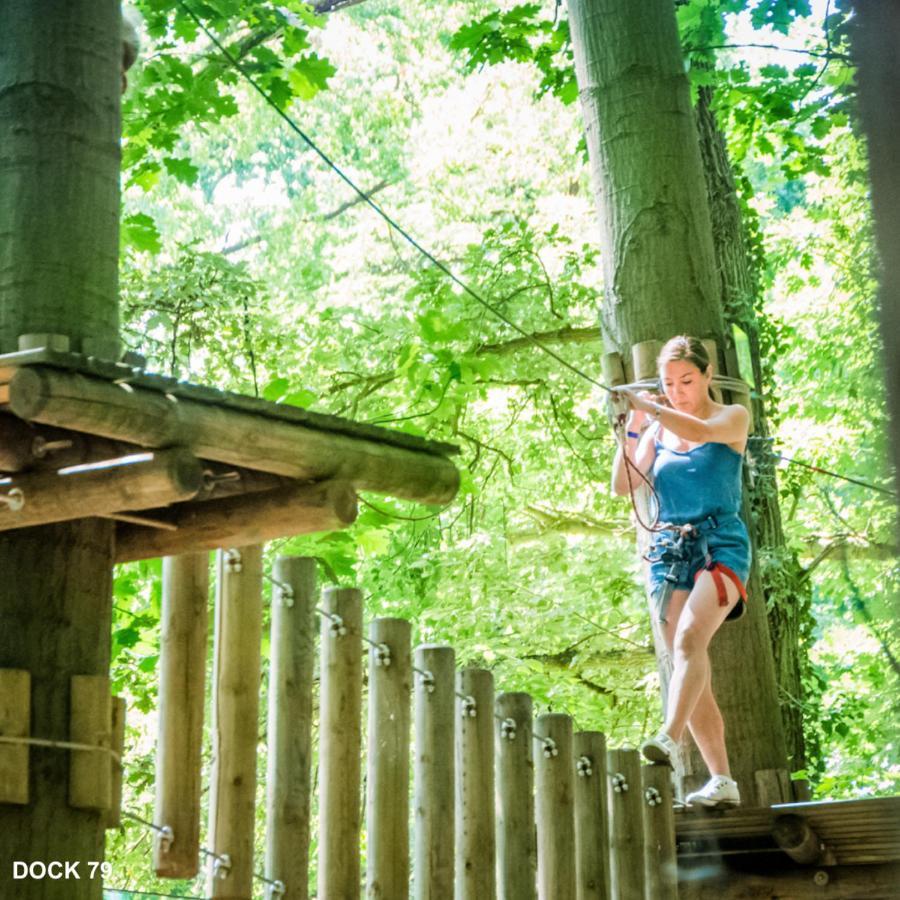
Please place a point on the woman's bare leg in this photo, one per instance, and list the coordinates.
(691, 680)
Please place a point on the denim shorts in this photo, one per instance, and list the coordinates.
(727, 544)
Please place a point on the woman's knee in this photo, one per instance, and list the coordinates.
(690, 641)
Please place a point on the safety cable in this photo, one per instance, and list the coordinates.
(365, 198)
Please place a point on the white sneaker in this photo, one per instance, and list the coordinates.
(720, 791)
(659, 749)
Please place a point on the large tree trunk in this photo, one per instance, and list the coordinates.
(876, 47)
(60, 76)
(661, 280)
(780, 581)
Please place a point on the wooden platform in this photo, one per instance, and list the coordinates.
(187, 467)
(737, 854)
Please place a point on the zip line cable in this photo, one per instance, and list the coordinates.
(365, 198)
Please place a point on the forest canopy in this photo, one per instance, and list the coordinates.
(248, 264)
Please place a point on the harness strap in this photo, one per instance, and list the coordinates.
(717, 570)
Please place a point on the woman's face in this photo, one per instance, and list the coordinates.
(685, 386)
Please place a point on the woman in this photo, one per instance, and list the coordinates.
(691, 450)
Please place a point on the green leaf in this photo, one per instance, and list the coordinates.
(310, 75)
(182, 169)
(140, 232)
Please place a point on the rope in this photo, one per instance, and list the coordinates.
(60, 745)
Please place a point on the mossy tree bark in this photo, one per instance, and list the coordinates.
(661, 279)
(60, 77)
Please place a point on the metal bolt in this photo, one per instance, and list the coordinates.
(550, 748)
(14, 498)
(233, 561)
(222, 866)
(40, 446)
(426, 680)
(277, 888)
(619, 783)
(338, 628)
(382, 655)
(469, 707)
(166, 837)
(508, 729)
(285, 594)
(584, 767)
(821, 878)
(652, 796)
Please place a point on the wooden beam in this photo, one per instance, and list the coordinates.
(156, 480)
(795, 836)
(152, 419)
(236, 521)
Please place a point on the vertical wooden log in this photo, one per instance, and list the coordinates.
(555, 804)
(434, 772)
(516, 847)
(475, 839)
(290, 724)
(15, 722)
(182, 693)
(591, 817)
(90, 774)
(339, 744)
(387, 782)
(626, 829)
(114, 816)
(661, 866)
(238, 627)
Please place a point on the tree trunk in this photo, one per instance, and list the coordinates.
(660, 280)
(876, 37)
(59, 205)
(780, 580)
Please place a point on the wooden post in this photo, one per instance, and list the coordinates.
(149, 418)
(434, 772)
(236, 521)
(626, 829)
(292, 651)
(516, 848)
(555, 776)
(90, 774)
(643, 356)
(114, 816)
(387, 782)
(182, 695)
(59, 182)
(15, 722)
(475, 839)
(801, 843)
(591, 817)
(159, 479)
(232, 801)
(339, 743)
(661, 864)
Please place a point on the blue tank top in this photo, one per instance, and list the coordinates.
(694, 484)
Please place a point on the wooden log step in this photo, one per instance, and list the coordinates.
(148, 480)
(236, 521)
(152, 419)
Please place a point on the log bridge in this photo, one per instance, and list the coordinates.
(185, 468)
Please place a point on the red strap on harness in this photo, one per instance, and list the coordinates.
(717, 570)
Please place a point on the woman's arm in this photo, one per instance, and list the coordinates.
(729, 425)
(640, 451)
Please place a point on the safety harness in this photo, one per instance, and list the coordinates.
(680, 548)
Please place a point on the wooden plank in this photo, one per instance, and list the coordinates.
(15, 722)
(435, 725)
(516, 847)
(340, 727)
(626, 828)
(290, 724)
(475, 836)
(555, 807)
(236, 683)
(182, 692)
(90, 723)
(591, 817)
(136, 415)
(238, 521)
(156, 479)
(387, 781)
(114, 815)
